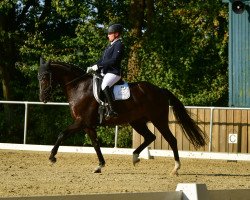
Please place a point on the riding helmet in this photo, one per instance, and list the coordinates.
(115, 28)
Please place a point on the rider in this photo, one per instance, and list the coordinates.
(110, 64)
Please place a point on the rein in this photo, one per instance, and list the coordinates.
(77, 78)
(40, 77)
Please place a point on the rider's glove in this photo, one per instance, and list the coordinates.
(93, 68)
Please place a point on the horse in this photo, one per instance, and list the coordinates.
(147, 103)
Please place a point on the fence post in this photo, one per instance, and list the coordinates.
(25, 122)
(116, 135)
(211, 128)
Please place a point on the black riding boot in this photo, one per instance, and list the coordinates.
(109, 98)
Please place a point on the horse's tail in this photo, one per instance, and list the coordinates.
(191, 130)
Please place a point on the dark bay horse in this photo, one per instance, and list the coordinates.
(146, 103)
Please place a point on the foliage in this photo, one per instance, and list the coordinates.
(190, 58)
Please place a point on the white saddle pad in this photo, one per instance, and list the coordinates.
(121, 92)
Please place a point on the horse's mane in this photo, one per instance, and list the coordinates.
(71, 68)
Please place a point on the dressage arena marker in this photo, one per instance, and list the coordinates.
(146, 154)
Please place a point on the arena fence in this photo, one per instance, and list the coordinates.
(228, 129)
(146, 153)
(27, 103)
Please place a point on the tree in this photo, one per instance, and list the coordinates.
(187, 51)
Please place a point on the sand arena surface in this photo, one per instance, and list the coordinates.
(27, 173)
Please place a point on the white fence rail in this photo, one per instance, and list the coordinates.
(27, 103)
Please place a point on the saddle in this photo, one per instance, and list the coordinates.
(120, 91)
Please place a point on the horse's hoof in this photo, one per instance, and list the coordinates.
(136, 159)
(174, 173)
(98, 170)
(52, 160)
(176, 168)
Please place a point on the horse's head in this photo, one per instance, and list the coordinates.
(45, 81)
(58, 73)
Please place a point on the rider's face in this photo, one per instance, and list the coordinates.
(112, 36)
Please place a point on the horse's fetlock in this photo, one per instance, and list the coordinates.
(52, 159)
(102, 164)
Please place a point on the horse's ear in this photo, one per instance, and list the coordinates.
(41, 61)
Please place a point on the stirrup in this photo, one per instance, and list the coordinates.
(111, 113)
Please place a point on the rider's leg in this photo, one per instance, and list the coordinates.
(108, 95)
(108, 81)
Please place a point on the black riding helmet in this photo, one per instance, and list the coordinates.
(115, 28)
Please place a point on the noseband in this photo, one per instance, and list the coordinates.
(40, 77)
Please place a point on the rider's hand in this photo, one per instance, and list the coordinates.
(89, 69)
(93, 68)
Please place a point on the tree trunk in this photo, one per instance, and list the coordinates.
(149, 15)
(7, 63)
(141, 16)
(7, 53)
(137, 8)
(5, 80)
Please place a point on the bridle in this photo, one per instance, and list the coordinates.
(47, 90)
(40, 77)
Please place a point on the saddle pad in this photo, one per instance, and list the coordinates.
(95, 89)
(121, 92)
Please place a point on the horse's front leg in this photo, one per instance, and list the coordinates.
(52, 157)
(93, 136)
(62, 136)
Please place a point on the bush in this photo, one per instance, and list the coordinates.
(106, 137)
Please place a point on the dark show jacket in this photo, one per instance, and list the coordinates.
(110, 61)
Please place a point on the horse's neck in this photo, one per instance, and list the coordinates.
(77, 89)
(75, 81)
(64, 77)
(68, 80)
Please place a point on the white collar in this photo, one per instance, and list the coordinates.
(115, 41)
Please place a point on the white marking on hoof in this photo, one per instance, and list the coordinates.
(136, 158)
(176, 168)
(98, 170)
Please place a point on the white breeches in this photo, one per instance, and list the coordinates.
(109, 80)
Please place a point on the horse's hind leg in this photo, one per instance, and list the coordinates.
(62, 136)
(149, 137)
(162, 126)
